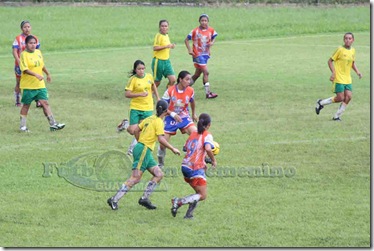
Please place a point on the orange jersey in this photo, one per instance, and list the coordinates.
(20, 44)
(179, 100)
(195, 146)
(201, 40)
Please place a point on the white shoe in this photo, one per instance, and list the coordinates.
(123, 125)
(23, 129)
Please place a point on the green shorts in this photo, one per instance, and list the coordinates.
(336, 87)
(143, 158)
(29, 95)
(136, 116)
(161, 68)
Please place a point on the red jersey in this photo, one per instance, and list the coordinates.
(201, 40)
(195, 146)
(179, 99)
(20, 44)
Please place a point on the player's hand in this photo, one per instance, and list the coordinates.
(17, 89)
(194, 117)
(172, 46)
(177, 118)
(359, 75)
(214, 164)
(332, 78)
(143, 94)
(176, 151)
(39, 77)
(49, 78)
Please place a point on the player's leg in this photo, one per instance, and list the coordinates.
(338, 89)
(206, 83)
(136, 175)
(135, 116)
(157, 177)
(347, 96)
(161, 151)
(157, 73)
(27, 98)
(17, 92)
(196, 75)
(42, 96)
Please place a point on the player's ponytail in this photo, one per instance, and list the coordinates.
(204, 121)
(161, 107)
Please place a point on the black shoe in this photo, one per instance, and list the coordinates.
(146, 203)
(113, 205)
(57, 126)
(336, 119)
(319, 107)
(175, 206)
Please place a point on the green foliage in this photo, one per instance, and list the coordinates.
(269, 66)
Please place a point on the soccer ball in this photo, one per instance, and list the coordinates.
(215, 150)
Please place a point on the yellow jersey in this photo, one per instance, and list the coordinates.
(162, 40)
(343, 59)
(151, 127)
(34, 62)
(138, 85)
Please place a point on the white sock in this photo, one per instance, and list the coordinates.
(132, 145)
(327, 101)
(207, 89)
(190, 198)
(23, 119)
(340, 111)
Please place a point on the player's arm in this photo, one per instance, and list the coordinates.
(187, 43)
(192, 104)
(131, 94)
(208, 149)
(332, 69)
(162, 47)
(155, 91)
(164, 142)
(47, 73)
(354, 67)
(15, 55)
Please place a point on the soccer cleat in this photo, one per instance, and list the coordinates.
(57, 126)
(38, 104)
(319, 107)
(146, 203)
(129, 152)
(123, 125)
(23, 129)
(113, 205)
(336, 119)
(175, 206)
(211, 95)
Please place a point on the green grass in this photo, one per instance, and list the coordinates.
(268, 74)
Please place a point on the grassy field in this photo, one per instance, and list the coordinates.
(268, 69)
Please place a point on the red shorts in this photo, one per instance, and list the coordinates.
(196, 182)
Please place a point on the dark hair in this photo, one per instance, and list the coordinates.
(28, 38)
(204, 121)
(349, 33)
(182, 75)
(162, 21)
(23, 23)
(204, 15)
(161, 107)
(136, 63)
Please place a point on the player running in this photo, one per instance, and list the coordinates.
(203, 37)
(197, 146)
(340, 64)
(179, 97)
(147, 132)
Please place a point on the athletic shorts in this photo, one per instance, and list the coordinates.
(143, 158)
(336, 87)
(161, 68)
(136, 116)
(194, 177)
(171, 126)
(29, 95)
(201, 61)
(17, 71)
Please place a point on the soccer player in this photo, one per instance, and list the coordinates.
(203, 38)
(197, 146)
(147, 132)
(340, 64)
(19, 46)
(161, 65)
(179, 97)
(139, 89)
(32, 84)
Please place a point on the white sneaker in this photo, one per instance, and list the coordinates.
(23, 129)
(123, 125)
(57, 126)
